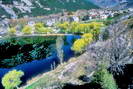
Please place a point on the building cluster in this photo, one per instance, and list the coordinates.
(80, 15)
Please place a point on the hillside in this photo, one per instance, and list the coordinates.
(21, 8)
(117, 51)
(113, 3)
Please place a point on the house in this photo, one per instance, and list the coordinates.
(76, 19)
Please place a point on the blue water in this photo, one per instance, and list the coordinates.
(36, 67)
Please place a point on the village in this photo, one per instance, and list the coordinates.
(51, 20)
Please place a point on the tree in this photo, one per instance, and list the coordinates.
(27, 30)
(59, 48)
(105, 79)
(80, 44)
(88, 37)
(12, 31)
(12, 80)
(39, 28)
(64, 27)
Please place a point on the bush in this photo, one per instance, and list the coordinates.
(105, 79)
(12, 80)
(12, 31)
(27, 30)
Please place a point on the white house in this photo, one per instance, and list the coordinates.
(50, 22)
(76, 19)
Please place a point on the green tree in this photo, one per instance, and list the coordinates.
(12, 80)
(105, 79)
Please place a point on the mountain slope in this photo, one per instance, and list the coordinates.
(22, 8)
(112, 3)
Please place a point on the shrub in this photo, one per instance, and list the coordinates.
(12, 31)
(105, 79)
(27, 30)
(12, 80)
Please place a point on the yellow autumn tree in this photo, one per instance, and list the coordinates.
(27, 29)
(80, 44)
(12, 31)
(64, 27)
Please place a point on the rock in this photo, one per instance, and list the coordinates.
(117, 49)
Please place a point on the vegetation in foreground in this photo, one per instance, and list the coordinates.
(104, 78)
(12, 80)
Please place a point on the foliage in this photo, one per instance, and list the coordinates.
(105, 79)
(12, 31)
(40, 28)
(39, 25)
(27, 49)
(76, 27)
(88, 37)
(27, 29)
(63, 26)
(80, 44)
(14, 61)
(73, 27)
(12, 80)
(43, 30)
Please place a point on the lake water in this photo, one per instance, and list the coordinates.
(36, 67)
